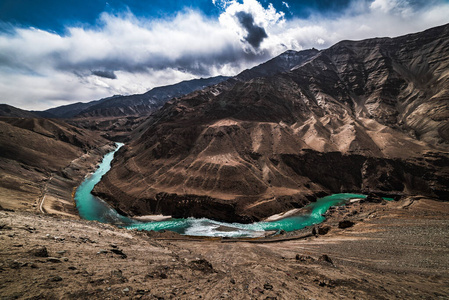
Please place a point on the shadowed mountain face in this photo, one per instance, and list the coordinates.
(11, 111)
(360, 116)
(279, 64)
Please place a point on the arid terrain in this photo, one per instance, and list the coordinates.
(361, 116)
(42, 161)
(395, 250)
(368, 116)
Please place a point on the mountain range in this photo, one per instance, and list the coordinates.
(360, 116)
(138, 104)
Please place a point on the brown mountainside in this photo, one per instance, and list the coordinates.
(44, 159)
(360, 116)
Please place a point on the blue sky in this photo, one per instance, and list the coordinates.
(55, 15)
(58, 52)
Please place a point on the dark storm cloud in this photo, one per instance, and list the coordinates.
(256, 34)
(104, 74)
(198, 64)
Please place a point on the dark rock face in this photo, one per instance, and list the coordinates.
(282, 63)
(367, 116)
(325, 258)
(202, 265)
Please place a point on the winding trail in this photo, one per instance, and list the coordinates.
(44, 194)
(40, 206)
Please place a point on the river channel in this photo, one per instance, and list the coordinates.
(93, 208)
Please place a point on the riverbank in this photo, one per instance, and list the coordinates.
(396, 249)
(60, 189)
(42, 160)
(152, 218)
(53, 193)
(94, 208)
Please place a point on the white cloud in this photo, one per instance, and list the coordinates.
(41, 69)
(266, 18)
(361, 20)
(400, 7)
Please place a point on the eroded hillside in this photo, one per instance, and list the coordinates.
(360, 116)
(42, 160)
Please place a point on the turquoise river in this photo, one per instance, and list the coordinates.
(93, 208)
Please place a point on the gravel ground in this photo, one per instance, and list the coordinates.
(398, 250)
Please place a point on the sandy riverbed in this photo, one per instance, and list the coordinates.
(152, 218)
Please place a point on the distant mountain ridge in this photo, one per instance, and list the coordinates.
(141, 104)
(71, 110)
(361, 116)
(138, 104)
(11, 111)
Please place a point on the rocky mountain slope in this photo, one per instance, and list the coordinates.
(361, 116)
(282, 63)
(42, 159)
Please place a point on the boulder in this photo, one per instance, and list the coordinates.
(325, 258)
(202, 265)
(54, 260)
(55, 278)
(39, 251)
(373, 198)
(324, 229)
(345, 224)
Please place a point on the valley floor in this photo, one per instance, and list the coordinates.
(396, 250)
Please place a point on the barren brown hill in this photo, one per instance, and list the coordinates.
(42, 160)
(360, 116)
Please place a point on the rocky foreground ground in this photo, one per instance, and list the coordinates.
(387, 251)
